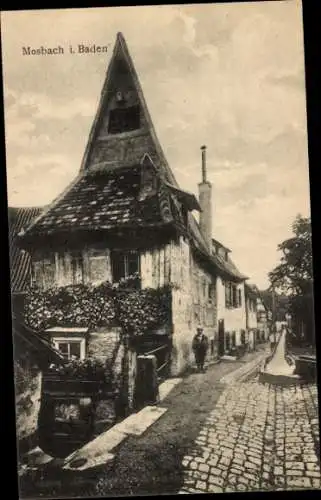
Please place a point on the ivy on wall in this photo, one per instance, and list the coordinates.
(123, 304)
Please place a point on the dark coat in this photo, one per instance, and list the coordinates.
(200, 344)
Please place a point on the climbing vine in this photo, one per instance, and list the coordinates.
(136, 311)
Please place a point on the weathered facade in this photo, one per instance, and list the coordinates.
(125, 215)
(32, 356)
(264, 317)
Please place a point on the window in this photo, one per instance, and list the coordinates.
(240, 298)
(124, 120)
(227, 294)
(233, 296)
(70, 348)
(211, 292)
(124, 264)
(43, 272)
(77, 269)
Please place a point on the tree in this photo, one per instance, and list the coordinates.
(294, 275)
(281, 303)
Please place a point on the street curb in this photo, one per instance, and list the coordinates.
(243, 372)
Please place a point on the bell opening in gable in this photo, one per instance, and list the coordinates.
(124, 119)
(124, 108)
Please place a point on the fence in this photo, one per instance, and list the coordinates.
(162, 355)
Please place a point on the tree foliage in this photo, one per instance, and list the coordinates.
(293, 276)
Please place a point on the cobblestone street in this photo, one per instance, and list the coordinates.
(258, 437)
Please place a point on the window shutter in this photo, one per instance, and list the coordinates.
(37, 274)
(98, 267)
(227, 295)
(49, 271)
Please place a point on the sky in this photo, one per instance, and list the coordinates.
(230, 76)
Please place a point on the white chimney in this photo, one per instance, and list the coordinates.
(205, 199)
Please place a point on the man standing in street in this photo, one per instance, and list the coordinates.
(200, 347)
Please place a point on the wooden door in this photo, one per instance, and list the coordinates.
(221, 337)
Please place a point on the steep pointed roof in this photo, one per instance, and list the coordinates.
(99, 197)
(121, 55)
(93, 199)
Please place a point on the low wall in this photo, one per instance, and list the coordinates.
(28, 397)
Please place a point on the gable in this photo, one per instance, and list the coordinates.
(122, 131)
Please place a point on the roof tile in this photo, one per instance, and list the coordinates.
(106, 200)
(19, 218)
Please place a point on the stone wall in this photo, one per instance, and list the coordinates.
(28, 380)
(105, 344)
(193, 304)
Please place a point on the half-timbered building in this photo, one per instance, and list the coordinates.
(123, 216)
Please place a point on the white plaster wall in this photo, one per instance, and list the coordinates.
(252, 317)
(234, 318)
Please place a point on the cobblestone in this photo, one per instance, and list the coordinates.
(258, 437)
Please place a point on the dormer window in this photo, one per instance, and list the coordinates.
(124, 119)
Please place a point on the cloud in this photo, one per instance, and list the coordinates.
(41, 106)
(294, 80)
(40, 179)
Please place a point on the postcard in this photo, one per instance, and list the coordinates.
(160, 250)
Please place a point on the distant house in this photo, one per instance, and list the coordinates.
(264, 317)
(20, 260)
(231, 303)
(252, 297)
(258, 315)
(124, 216)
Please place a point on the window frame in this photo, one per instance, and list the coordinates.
(124, 254)
(70, 340)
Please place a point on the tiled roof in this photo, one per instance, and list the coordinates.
(218, 243)
(33, 341)
(229, 267)
(105, 200)
(19, 218)
(226, 267)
